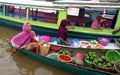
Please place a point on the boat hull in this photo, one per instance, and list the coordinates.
(74, 68)
(53, 32)
(65, 66)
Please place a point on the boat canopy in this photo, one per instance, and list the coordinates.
(58, 5)
(89, 4)
(31, 3)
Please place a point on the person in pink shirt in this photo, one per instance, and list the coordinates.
(99, 23)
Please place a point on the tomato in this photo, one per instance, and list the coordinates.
(65, 57)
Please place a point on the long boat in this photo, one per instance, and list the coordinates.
(46, 16)
(75, 68)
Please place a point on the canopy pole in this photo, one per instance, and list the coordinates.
(62, 15)
(4, 10)
(27, 13)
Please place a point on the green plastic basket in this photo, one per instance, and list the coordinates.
(53, 56)
(112, 55)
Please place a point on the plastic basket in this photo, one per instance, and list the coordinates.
(117, 42)
(103, 41)
(112, 55)
(44, 49)
(53, 56)
(117, 66)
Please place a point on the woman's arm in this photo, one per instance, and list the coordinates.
(66, 43)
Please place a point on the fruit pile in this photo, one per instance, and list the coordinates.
(66, 52)
(90, 56)
(102, 62)
(94, 42)
(65, 58)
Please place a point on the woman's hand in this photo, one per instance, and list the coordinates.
(70, 27)
(33, 34)
(67, 43)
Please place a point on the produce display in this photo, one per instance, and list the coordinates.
(53, 56)
(66, 52)
(90, 56)
(103, 63)
(94, 42)
(55, 48)
(91, 44)
(65, 58)
(117, 66)
(91, 59)
(78, 58)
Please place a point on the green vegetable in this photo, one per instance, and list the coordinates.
(100, 60)
(109, 65)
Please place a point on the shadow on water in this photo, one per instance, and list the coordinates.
(20, 64)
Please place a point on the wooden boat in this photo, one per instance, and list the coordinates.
(75, 68)
(47, 22)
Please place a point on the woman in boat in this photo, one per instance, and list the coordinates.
(23, 38)
(62, 33)
(99, 23)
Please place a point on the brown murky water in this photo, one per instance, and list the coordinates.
(20, 64)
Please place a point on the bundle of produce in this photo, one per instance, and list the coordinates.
(103, 64)
(78, 59)
(66, 52)
(89, 57)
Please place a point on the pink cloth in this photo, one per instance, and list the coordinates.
(79, 56)
(95, 24)
(45, 37)
(19, 39)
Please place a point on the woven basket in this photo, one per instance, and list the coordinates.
(102, 68)
(44, 49)
(116, 65)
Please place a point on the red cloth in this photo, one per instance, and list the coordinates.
(35, 49)
(33, 40)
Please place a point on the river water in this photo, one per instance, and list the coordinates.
(20, 64)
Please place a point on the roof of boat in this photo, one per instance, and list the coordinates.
(62, 4)
(31, 3)
(28, 2)
(93, 4)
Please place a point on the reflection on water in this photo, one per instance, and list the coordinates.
(20, 64)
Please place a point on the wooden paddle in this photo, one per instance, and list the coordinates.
(21, 45)
(116, 31)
